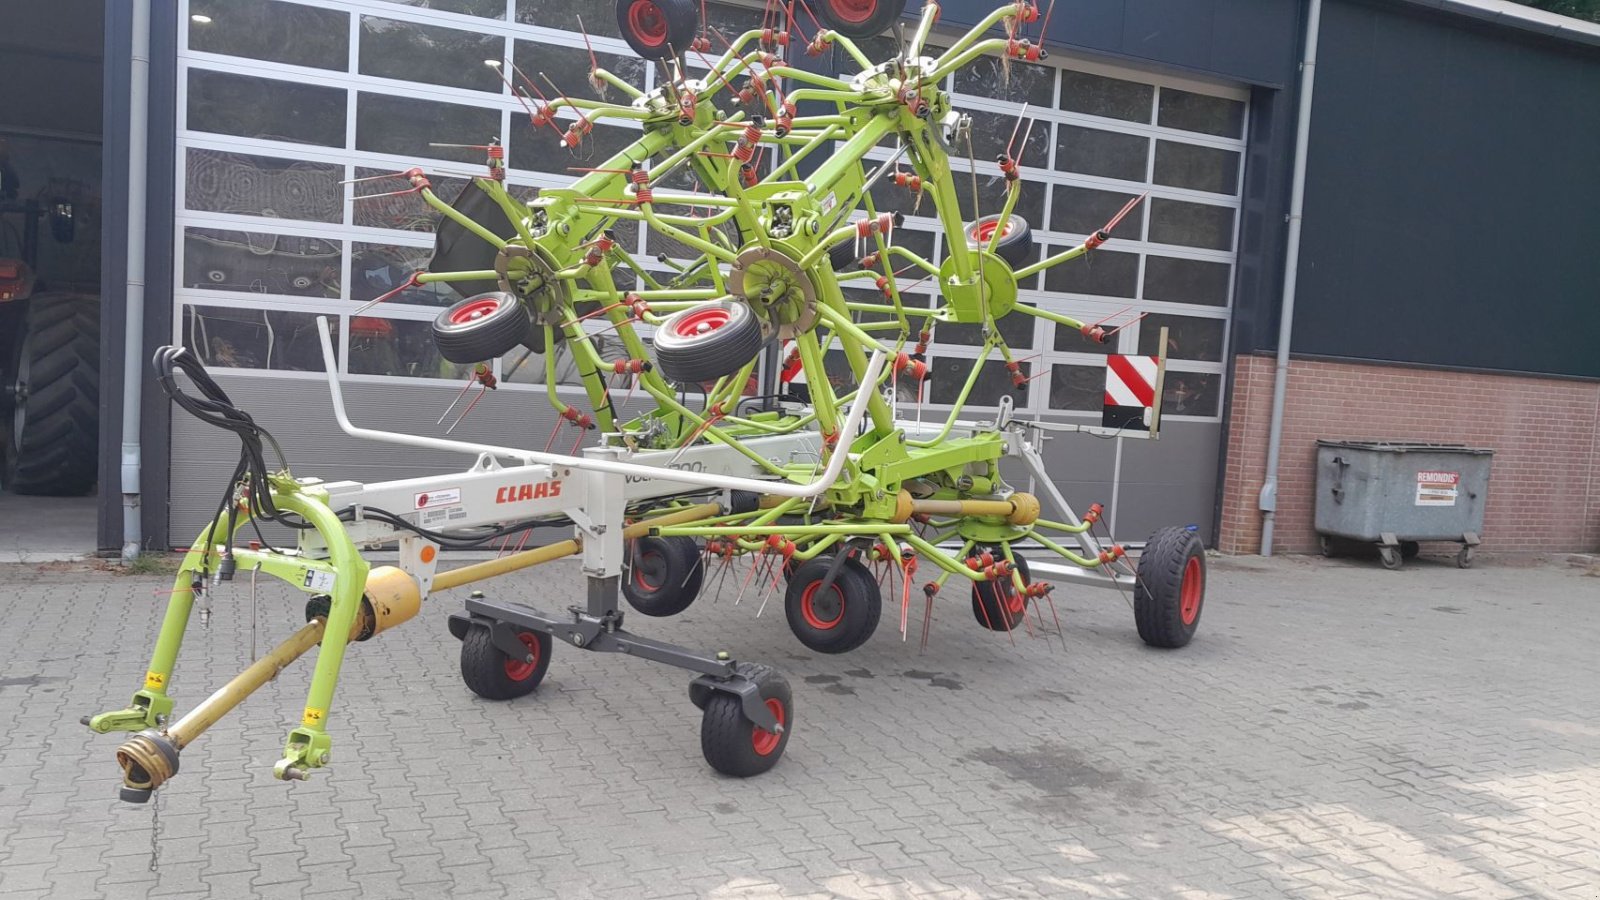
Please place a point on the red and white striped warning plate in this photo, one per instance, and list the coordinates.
(1130, 391)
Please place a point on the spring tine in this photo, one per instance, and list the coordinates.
(767, 595)
(464, 388)
(1059, 633)
(373, 178)
(481, 391)
(742, 588)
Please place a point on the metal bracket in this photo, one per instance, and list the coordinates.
(749, 694)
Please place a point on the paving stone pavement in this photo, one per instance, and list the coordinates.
(1336, 730)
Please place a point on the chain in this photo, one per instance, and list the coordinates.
(155, 828)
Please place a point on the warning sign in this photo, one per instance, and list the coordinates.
(1438, 488)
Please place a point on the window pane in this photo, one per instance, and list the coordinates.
(428, 53)
(1098, 95)
(568, 68)
(405, 212)
(260, 263)
(598, 16)
(488, 9)
(1196, 167)
(1191, 394)
(541, 149)
(377, 269)
(1187, 337)
(991, 193)
(1069, 341)
(1104, 153)
(991, 132)
(406, 127)
(1078, 210)
(1015, 327)
(1105, 273)
(239, 338)
(291, 33)
(1077, 387)
(1186, 280)
(266, 108)
(219, 181)
(399, 347)
(1191, 224)
(1202, 113)
(949, 375)
(1019, 82)
(525, 367)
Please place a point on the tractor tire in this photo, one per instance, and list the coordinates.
(664, 575)
(53, 448)
(658, 29)
(732, 744)
(1171, 589)
(1016, 244)
(492, 675)
(482, 327)
(857, 19)
(996, 605)
(845, 618)
(705, 342)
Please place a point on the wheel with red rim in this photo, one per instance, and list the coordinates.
(857, 19)
(1016, 238)
(731, 743)
(707, 341)
(492, 674)
(482, 327)
(998, 605)
(664, 575)
(657, 29)
(1171, 592)
(837, 619)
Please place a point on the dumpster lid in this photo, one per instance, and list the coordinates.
(1404, 446)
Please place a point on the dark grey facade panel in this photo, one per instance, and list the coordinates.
(113, 268)
(1453, 198)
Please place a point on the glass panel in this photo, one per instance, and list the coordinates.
(526, 367)
(431, 54)
(911, 302)
(568, 67)
(291, 33)
(1104, 153)
(398, 347)
(1019, 82)
(1106, 273)
(260, 263)
(488, 9)
(406, 126)
(1077, 387)
(241, 338)
(991, 132)
(219, 181)
(1098, 95)
(377, 269)
(1186, 280)
(1078, 210)
(1191, 224)
(1068, 341)
(541, 150)
(992, 193)
(1196, 167)
(1200, 112)
(1191, 394)
(1015, 327)
(266, 108)
(403, 212)
(597, 16)
(949, 374)
(1187, 337)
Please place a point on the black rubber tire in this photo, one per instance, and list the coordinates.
(492, 675)
(856, 593)
(657, 29)
(857, 19)
(1172, 557)
(1015, 246)
(990, 604)
(54, 415)
(731, 743)
(664, 575)
(482, 327)
(843, 256)
(707, 341)
(455, 249)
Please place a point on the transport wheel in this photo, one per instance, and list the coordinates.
(493, 675)
(51, 399)
(1016, 242)
(481, 327)
(1325, 546)
(1172, 587)
(708, 341)
(837, 620)
(657, 29)
(664, 575)
(732, 744)
(1391, 557)
(856, 19)
(996, 604)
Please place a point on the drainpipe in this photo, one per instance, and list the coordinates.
(133, 344)
(1268, 502)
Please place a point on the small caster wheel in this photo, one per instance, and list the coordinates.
(493, 675)
(664, 575)
(1391, 557)
(731, 743)
(1325, 546)
(1464, 557)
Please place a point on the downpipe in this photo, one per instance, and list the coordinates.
(133, 336)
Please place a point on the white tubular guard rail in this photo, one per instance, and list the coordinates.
(814, 488)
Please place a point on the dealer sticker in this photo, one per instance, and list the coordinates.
(443, 497)
(1438, 488)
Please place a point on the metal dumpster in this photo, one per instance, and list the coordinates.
(1396, 494)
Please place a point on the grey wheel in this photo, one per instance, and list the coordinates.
(1391, 557)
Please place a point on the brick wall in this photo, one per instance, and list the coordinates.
(1544, 489)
